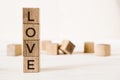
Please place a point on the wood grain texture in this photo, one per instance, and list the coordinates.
(44, 44)
(31, 48)
(14, 50)
(67, 47)
(31, 31)
(31, 64)
(89, 47)
(103, 50)
(31, 15)
(52, 49)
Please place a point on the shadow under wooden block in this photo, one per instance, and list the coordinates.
(102, 50)
(89, 47)
(31, 64)
(14, 49)
(30, 31)
(31, 48)
(30, 15)
(52, 49)
(67, 47)
(44, 44)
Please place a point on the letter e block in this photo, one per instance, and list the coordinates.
(30, 64)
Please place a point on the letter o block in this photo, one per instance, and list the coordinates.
(31, 32)
(102, 50)
(67, 47)
(14, 49)
(88, 47)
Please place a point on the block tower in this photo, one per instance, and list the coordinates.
(30, 40)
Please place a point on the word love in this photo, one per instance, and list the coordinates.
(30, 40)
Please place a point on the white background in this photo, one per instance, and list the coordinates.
(76, 20)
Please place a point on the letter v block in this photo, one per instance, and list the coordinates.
(31, 48)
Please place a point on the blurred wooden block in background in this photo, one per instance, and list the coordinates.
(67, 47)
(31, 48)
(89, 47)
(14, 49)
(52, 49)
(30, 15)
(31, 64)
(44, 44)
(102, 50)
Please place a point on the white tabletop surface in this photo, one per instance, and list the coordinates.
(63, 67)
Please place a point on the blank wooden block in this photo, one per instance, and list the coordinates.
(31, 64)
(52, 49)
(14, 49)
(31, 48)
(31, 15)
(102, 50)
(44, 43)
(30, 31)
(67, 47)
(89, 47)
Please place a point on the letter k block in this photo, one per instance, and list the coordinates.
(31, 48)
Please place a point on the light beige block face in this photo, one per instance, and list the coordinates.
(14, 50)
(89, 47)
(31, 48)
(31, 31)
(103, 50)
(31, 15)
(67, 47)
(44, 44)
(52, 49)
(31, 64)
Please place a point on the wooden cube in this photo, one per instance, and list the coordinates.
(30, 31)
(31, 15)
(52, 49)
(67, 47)
(89, 47)
(14, 49)
(44, 44)
(31, 48)
(102, 50)
(30, 64)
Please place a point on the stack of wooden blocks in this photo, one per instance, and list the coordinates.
(31, 40)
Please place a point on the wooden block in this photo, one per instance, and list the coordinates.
(102, 50)
(31, 15)
(30, 64)
(52, 49)
(89, 47)
(30, 31)
(30, 48)
(67, 47)
(44, 43)
(14, 49)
